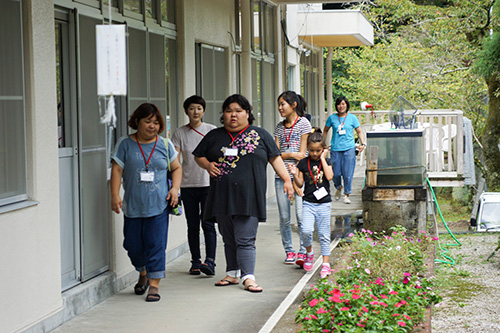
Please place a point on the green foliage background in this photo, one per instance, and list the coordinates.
(425, 51)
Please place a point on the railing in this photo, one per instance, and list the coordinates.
(444, 144)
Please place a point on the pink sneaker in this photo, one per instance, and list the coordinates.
(290, 258)
(308, 264)
(325, 271)
(301, 258)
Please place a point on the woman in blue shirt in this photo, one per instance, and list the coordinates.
(343, 148)
(142, 160)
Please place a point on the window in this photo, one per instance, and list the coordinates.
(263, 80)
(211, 79)
(12, 120)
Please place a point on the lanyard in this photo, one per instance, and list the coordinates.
(234, 137)
(144, 156)
(315, 179)
(341, 125)
(194, 129)
(291, 129)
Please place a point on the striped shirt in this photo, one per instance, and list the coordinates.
(292, 145)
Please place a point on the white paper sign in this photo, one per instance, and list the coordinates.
(111, 60)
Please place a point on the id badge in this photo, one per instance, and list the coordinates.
(342, 132)
(320, 193)
(147, 176)
(231, 152)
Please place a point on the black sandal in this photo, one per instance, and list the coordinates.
(195, 268)
(153, 298)
(140, 289)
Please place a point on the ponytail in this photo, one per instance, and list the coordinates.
(292, 97)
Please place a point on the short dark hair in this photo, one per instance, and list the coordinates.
(195, 99)
(146, 110)
(292, 97)
(241, 101)
(339, 100)
(316, 136)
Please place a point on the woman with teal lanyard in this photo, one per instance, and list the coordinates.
(142, 160)
(343, 148)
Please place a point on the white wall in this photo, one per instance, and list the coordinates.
(29, 237)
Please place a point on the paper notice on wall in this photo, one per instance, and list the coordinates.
(111, 60)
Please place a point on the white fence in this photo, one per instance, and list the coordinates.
(444, 143)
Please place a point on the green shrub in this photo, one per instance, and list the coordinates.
(382, 289)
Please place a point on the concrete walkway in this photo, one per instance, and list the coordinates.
(193, 303)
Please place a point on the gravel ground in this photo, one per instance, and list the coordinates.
(470, 288)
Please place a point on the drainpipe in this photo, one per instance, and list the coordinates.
(246, 48)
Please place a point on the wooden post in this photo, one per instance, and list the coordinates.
(372, 167)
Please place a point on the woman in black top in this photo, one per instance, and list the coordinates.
(236, 157)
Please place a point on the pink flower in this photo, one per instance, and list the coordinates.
(407, 317)
(401, 323)
(404, 302)
(392, 292)
(406, 280)
(435, 238)
(307, 318)
(313, 303)
(379, 281)
(384, 304)
(368, 239)
(407, 274)
(351, 235)
(360, 325)
(373, 303)
(370, 232)
(363, 229)
(356, 296)
(365, 309)
(314, 317)
(344, 308)
(395, 314)
(367, 271)
(321, 310)
(326, 331)
(398, 305)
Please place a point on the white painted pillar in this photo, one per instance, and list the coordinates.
(329, 97)
(246, 49)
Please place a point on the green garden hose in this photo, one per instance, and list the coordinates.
(447, 259)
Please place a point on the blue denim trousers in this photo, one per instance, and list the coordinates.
(146, 242)
(344, 163)
(285, 217)
(193, 199)
(321, 213)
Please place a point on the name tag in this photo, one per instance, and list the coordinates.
(289, 150)
(231, 152)
(342, 132)
(320, 193)
(147, 176)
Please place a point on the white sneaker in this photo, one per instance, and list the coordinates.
(346, 199)
(337, 194)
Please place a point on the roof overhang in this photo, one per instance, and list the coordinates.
(335, 28)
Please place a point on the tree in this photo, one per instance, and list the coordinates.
(437, 54)
(489, 66)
